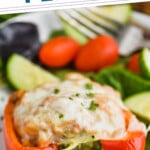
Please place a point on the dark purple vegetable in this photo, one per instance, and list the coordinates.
(21, 38)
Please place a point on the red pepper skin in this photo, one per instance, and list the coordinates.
(11, 139)
(134, 141)
(133, 64)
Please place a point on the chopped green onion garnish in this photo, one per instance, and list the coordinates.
(71, 98)
(77, 94)
(93, 106)
(88, 86)
(61, 116)
(56, 91)
(91, 95)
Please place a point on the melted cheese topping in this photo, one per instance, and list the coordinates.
(76, 109)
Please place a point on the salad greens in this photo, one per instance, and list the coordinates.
(7, 16)
(1, 63)
(57, 32)
(126, 82)
(3, 82)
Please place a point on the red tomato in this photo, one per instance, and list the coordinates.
(134, 141)
(58, 52)
(97, 54)
(133, 64)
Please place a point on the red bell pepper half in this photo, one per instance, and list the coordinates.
(133, 141)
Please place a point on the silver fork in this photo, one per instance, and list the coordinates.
(91, 22)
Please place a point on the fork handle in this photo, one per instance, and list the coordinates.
(141, 20)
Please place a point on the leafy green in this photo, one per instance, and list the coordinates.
(122, 80)
(6, 17)
(1, 64)
(57, 32)
(3, 81)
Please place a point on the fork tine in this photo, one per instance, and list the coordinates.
(97, 20)
(86, 22)
(72, 22)
(97, 11)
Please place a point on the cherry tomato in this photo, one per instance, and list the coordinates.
(133, 64)
(97, 53)
(58, 52)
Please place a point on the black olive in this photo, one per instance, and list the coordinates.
(21, 38)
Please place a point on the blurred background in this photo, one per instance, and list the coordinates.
(142, 7)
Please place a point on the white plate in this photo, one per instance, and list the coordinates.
(47, 22)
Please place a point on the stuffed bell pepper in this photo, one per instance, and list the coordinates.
(74, 114)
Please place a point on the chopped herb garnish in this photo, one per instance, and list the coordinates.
(77, 94)
(93, 136)
(74, 95)
(93, 106)
(56, 91)
(71, 98)
(91, 95)
(61, 116)
(88, 86)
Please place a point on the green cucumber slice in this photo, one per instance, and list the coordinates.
(145, 63)
(140, 105)
(120, 13)
(74, 33)
(23, 74)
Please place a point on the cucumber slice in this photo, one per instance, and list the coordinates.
(145, 63)
(120, 13)
(140, 105)
(23, 74)
(72, 32)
